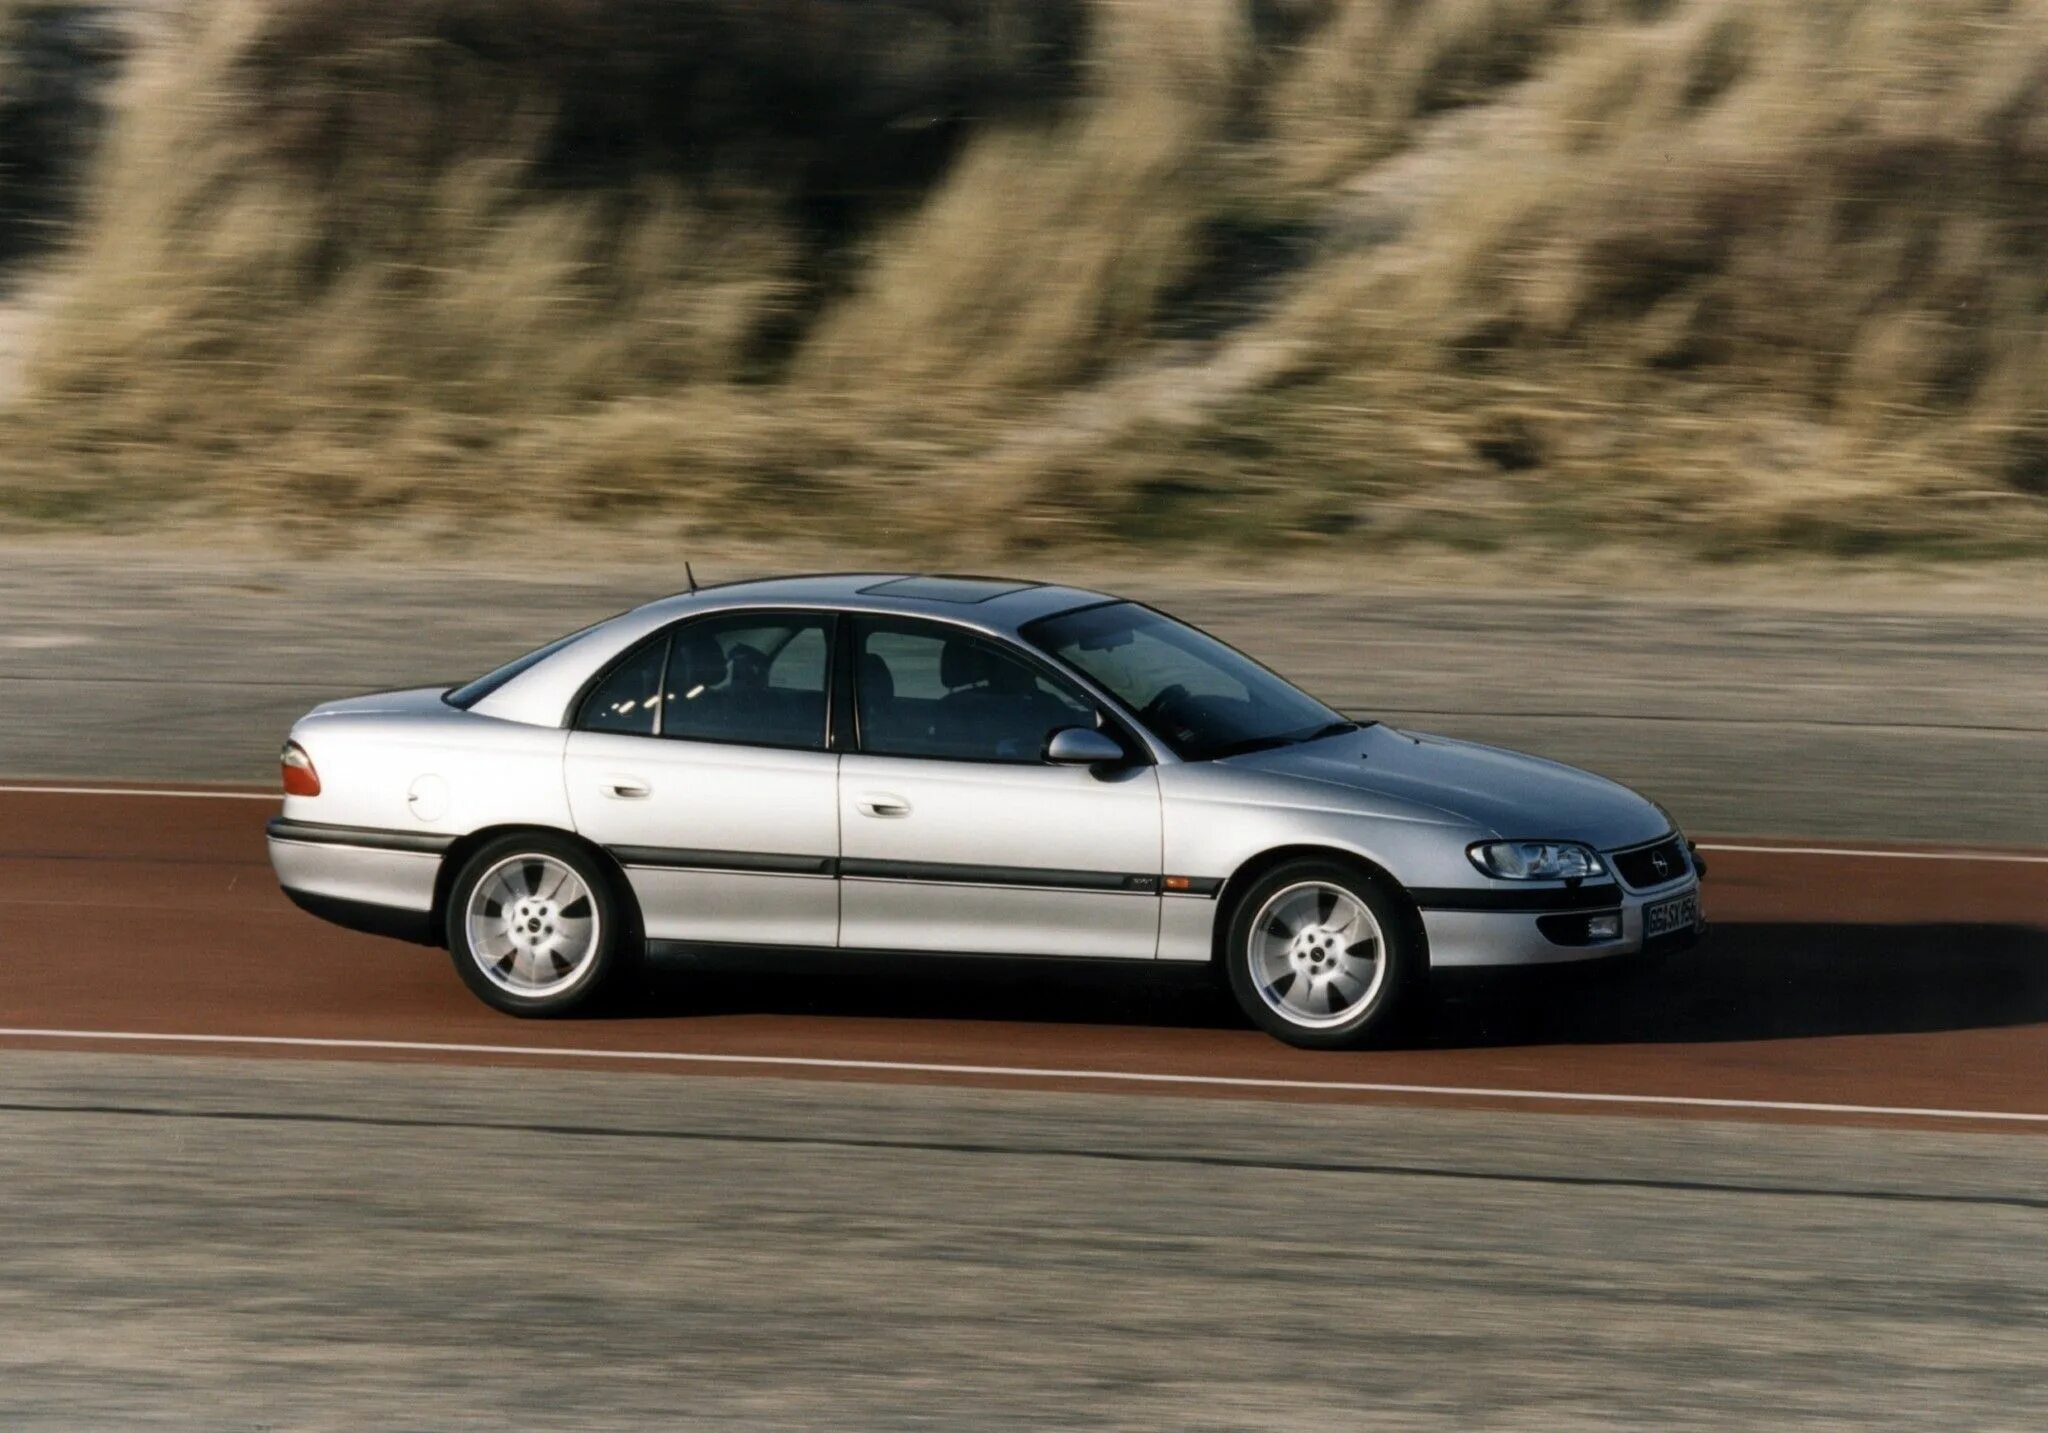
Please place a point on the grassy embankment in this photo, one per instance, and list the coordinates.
(976, 277)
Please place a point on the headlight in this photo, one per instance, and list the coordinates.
(1536, 860)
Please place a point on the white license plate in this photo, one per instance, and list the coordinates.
(1668, 916)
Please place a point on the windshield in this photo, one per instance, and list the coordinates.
(1203, 699)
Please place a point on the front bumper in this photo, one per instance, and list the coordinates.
(1466, 938)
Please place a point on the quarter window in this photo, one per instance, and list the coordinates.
(628, 699)
(933, 691)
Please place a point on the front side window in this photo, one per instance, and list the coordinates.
(749, 678)
(928, 690)
(1203, 699)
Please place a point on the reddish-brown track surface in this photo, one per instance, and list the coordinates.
(1855, 980)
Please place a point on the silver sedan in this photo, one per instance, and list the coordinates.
(885, 763)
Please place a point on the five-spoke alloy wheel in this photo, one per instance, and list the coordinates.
(533, 925)
(1322, 955)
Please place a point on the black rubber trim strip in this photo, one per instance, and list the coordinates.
(749, 957)
(1015, 585)
(947, 873)
(669, 858)
(368, 838)
(396, 922)
(1556, 898)
(672, 859)
(916, 872)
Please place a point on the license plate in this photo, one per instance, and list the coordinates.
(1668, 916)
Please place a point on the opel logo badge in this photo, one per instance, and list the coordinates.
(1657, 859)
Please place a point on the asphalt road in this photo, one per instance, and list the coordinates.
(1857, 980)
(229, 1245)
(565, 1226)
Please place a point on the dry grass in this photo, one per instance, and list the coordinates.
(1734, 274)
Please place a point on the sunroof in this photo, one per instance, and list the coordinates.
(948, 589)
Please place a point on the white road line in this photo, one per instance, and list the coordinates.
(141, 791)
(1030, 1072)
(2006, 857)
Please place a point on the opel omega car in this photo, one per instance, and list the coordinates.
(878, 763)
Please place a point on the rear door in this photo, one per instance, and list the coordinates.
(701, 762)
(955, 833)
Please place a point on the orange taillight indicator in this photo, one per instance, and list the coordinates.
(300, 779)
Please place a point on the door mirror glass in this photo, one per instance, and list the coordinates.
(1082, 746)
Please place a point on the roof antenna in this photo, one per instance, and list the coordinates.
(691, 575)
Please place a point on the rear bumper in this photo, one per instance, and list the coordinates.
(371, 919)
(1465, 939)
(380, 891)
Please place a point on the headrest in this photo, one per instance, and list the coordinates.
(877, 682)
(698, 661)
(962, 663)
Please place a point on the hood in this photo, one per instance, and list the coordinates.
(1507, 792)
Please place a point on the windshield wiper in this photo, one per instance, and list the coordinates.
(1335, 728)
(1271, 743)
(1246, 747)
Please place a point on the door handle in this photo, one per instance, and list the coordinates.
(627, 788)
(881, 803)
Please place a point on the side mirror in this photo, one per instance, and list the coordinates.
(1083, 746)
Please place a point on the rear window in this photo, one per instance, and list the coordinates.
(469, 694)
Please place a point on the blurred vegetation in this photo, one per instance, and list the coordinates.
(993, 276)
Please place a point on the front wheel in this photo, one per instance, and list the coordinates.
(1323, 956)
(534, 927)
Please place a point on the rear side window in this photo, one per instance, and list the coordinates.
(749, 678)
(744, 678)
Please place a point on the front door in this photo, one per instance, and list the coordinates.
(955, 835)
(700, 761)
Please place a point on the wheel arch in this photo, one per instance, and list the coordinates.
(1249, 873)
(458, 855)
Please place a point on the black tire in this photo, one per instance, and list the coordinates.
(1385, 1009)
(597, 971)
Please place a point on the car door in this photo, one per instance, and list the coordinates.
(700, 761)
(956, 835)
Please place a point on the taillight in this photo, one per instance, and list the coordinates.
(300, 779)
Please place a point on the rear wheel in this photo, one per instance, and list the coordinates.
(1323, 956)
(534, 926)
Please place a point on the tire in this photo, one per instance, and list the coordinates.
(1321, 955)
(536, 926)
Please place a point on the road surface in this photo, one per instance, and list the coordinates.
(1803, 1181)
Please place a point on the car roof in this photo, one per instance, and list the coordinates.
(541, 694)
(1001, 604)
